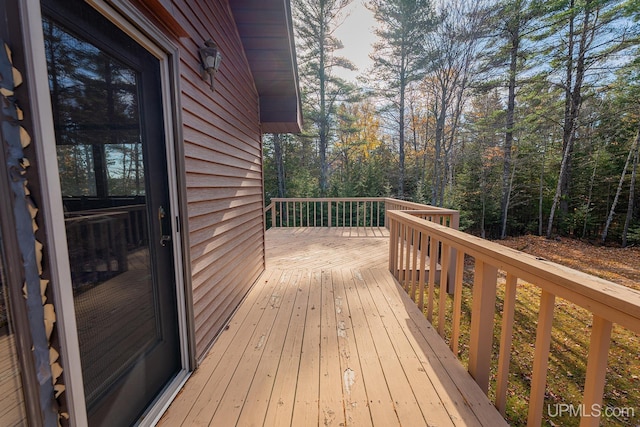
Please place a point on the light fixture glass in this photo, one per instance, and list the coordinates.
(210, 58)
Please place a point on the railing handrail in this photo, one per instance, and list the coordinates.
(326, 199)
(412, 205)
(340, 212)
(435, 210)
(585, 290)
(417, 245)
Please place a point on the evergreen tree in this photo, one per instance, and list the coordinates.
(400, 57)
(316, 21)
(581, 37)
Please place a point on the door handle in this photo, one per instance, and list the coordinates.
(164, 238)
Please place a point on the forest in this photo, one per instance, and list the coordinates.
(522, 114)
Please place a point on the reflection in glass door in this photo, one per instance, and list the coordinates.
(12, 410)
(112, 165)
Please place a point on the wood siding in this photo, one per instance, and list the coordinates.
(223, 162)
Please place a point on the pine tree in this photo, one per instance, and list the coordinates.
(316, 21)
(400, 57)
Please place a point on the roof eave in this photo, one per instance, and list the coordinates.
(266, 30)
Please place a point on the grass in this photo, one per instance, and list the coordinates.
(567, 362)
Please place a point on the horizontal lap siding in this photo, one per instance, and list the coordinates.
(223, 161)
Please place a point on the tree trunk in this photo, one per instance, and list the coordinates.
(540, 196)
(618, 191)
(323, 134)
(277, 146)
(589, 197)
(567, 130)
(574, 92)
(510, 122)
(632, 187)
(556, 198)
(440, 122)
(401, 138)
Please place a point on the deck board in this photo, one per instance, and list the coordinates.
(356, 407)
(327, 337)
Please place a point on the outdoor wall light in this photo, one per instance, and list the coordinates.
(210, 58)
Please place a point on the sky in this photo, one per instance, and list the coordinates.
(356, 33)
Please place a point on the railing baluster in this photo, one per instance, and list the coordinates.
(506, 336)
(407, 258)
(444, 274)
(400, 251)
(596, 370)
(393, 243)
(481, 332)
(415, 270)
(273, 215)
(541, 359)
(403, 242)
(331, 216)
(457, 302)
(423, 270)
(433, 258)
(350, 216)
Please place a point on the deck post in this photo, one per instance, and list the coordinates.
(393, 243)
(506, 338)
(273, 214)
(482, 312)
(423, 268)
(453, 253)
(433, 258)
(541, 359)
(596, 370)
(457, 303)
(416, 268)
(444, 274)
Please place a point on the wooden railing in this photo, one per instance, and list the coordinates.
(345, 212)
(419, 245)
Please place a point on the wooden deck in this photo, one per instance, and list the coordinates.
(12, 412)
(327, 338)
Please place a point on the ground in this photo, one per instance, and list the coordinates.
(619, 265)
(572, 328)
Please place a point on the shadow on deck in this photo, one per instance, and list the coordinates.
(327, 337)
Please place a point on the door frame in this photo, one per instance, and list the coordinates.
(166, 51)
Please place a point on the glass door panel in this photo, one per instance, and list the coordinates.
(112, 164)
